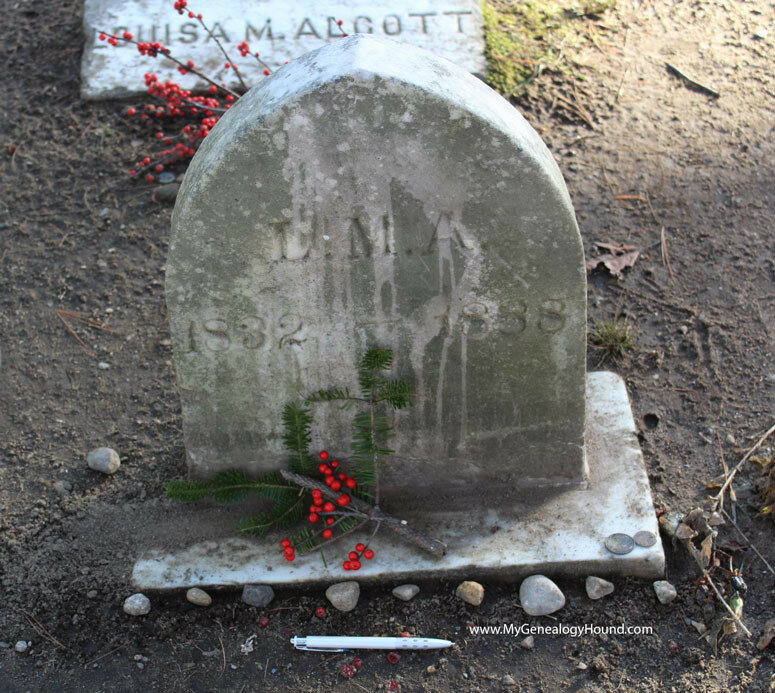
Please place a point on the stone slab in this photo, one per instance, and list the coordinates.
(279, 30)
(562, 535)
(373, 194)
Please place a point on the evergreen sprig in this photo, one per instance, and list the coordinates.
(297, 420)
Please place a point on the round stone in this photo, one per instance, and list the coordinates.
(257, 595)
(199, 597)
(620, 544)
(105, 460)
(137, 605)
(597, 588)
(470, 592)
(21, 646)
(344, 595)
(645, 539)
(665, 592)
(539, 596)
(166, 177)
(405, 592)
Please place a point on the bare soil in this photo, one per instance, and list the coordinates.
(76, 235)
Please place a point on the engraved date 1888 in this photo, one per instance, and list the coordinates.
(249, 332)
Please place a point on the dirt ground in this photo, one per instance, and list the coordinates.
(76, 235)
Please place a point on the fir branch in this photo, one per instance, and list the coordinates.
(188, 491)
(397, 393)
(298, 421)
(333, 395)
(281, 515)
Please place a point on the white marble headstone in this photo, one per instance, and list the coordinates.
(280, 30)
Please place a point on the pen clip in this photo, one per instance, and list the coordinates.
(320, 649)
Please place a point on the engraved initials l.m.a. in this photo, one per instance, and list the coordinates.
(447, 230)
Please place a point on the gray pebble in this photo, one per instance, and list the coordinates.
(597, 588)
(528, 643)
(137, 605)
(405, 592)
(105, 460)
(63, 488)
(21, 646)
(540, 596)
(199, 597)
(166, 193)
(344, 595)
(4, 645)
(257, 595)
(91, 594)
(103, 365)
(665, 591)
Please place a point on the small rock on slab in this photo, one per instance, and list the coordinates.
(528, 643)
(21, 646)
(344, 595)
(199, 597)
(470, 592)
(406, 592)
(665, 591)
(540, 596)
(105, 460)
(137, 605)
(597, 588)
(257, 595)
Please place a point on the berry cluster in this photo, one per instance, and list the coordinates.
(350, 670)
(326, 511)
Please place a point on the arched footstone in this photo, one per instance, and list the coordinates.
(370, 193)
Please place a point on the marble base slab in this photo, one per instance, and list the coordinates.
(560, 533)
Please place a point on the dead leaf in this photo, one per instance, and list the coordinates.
(705, 548)
(684, 532)
(620, 257)
(767, 635)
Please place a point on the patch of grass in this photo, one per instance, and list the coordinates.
(614, 338)
(525, 37)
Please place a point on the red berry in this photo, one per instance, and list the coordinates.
(330, 520)
(324, 455)
(348, 670)
(285, 543)
(289, 551)
(314, 508)
(128, 36)
(213, 89)
(267, 72)
(360, 547)
(350, 483)
(355, 565)
(103, 37)
(159, 135)
(353, 556)
(335, 485)
(131, 111)
(320, 612)
(313, 517)
(149, 178)
(263, 622)
(346, 565)
(339, 22)
(342, 476)
(344, 499)
(316, 493)
(368, 553)
(291, 557)
(133, 172)
(330, 480)
(393, 658)
(227, 65)
(357, 662)
(329, 507)
(328, 533)
(323, 468)
(334, 464)
(392, 685)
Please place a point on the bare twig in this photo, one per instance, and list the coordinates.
(740, 532)
(223, 50)
(102, 656)
(38, 627)
(666, 255)
(698, 559)
(373, 514)
(691, 82)
(740, 464)
(73, 332)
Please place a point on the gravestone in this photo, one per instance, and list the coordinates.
(372, 194)
(277, 29)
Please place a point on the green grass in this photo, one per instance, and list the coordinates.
(523, 38)
(614, 338)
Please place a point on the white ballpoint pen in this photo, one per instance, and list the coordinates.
(343, 643)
